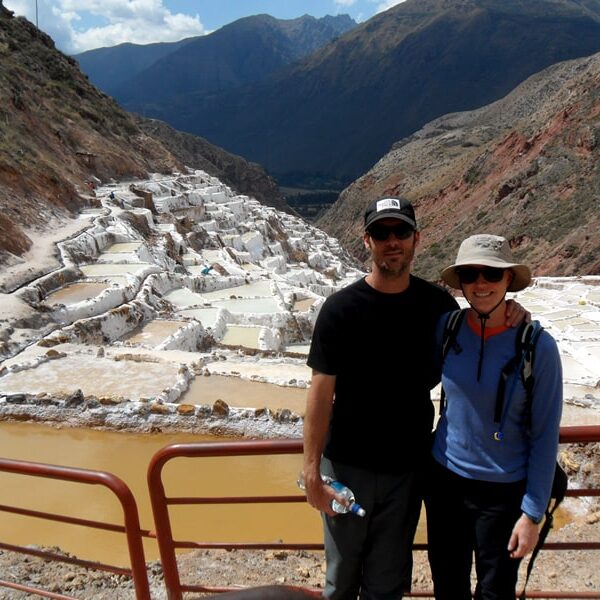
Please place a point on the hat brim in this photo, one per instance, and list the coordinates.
(521, 279)
(389, 215)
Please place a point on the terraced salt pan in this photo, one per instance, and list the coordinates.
(303, 305)
(76, 292)
(251, 267)
(183, 297)
(94, 376)
(118, 258)
(154, 332)
(274, 371)
(577, 415)
(120, 247)
(237, 335)
(206, 316)
(260, 288)
(297, 348)
(250, 305)
(574, 370)
(241, 393)
(210, 256)
(108, 269)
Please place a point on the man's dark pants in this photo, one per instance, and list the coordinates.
(371, 557)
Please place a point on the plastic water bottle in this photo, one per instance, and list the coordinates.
(341, 490)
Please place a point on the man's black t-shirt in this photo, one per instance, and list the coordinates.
(381, 348)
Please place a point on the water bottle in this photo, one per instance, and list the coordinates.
(341, 490)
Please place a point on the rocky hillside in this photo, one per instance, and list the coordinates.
(326, 119)
(235, 171)
(59, 136)
(526, 167)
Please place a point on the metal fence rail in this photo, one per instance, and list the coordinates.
(167, 544)
(131, 527)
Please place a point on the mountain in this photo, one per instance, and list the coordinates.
(109, 68)
(59, 135)
(526, 167)
(244, 51)
(326, 119)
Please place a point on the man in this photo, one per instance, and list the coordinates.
(369, 415)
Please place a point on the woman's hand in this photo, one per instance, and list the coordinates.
(524, 537)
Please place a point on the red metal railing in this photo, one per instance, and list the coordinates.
(131, 527)
(168, 545)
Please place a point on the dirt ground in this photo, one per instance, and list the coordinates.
(571, 570)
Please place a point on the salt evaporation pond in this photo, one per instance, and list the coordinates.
(302, 305)
(206, 316)
(241, 393)
(256, 289)
(107, 269)
(183, 297)
(122, 247)
(298, 348)
(153, 332)
(95, 376)
(238, 335)
(76, 292)
(250, 305)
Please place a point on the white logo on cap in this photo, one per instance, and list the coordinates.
(387, 203)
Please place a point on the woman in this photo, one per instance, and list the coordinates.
(493, 464)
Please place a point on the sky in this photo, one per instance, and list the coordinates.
(79, 25)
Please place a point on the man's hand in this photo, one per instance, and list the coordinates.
(515, 314)
(319, 495)
(524, 537)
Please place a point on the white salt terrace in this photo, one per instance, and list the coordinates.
(164, 362)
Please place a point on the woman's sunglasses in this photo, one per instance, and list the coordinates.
(382, 232)
(471, 274)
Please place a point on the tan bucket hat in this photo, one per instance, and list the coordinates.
(489, 251)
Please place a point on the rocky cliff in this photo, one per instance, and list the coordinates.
(526, 167)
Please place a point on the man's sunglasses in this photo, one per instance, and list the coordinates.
(382, 232)
(471, 274)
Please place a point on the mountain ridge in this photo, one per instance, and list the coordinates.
(241, 52)
(525, 166)
(385, 79)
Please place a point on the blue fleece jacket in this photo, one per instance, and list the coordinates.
(464, 439)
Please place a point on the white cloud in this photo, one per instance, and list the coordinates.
(78, 25)
(345, 2)
(388, 4)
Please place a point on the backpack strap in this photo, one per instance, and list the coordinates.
(453, 323)
(525, 341)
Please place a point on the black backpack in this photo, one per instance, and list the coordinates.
(524, 357)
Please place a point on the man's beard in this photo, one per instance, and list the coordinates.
(393, 272)
(400, 268)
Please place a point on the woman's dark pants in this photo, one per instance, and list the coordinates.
(467, 518)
